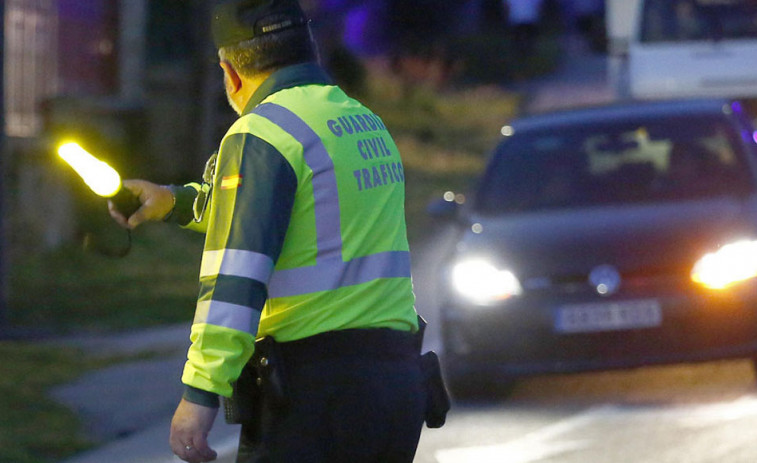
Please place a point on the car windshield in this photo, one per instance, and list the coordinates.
(685, 20)
(669, 159)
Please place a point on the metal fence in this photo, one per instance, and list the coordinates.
(31, 73)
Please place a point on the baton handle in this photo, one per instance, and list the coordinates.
(126, 202)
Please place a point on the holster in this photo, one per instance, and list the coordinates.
(271, 372)
(262, 378)
(245, 402)
(437, 397)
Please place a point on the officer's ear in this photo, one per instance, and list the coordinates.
(231, 78)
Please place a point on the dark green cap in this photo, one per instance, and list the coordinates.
(235, 21)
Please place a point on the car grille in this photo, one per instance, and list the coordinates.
(646, 282)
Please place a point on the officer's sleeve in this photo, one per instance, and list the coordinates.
(184, 198)
(250, 205)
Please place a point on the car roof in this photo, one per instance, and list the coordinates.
(618, 112)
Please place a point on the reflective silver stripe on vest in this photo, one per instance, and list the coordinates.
(332, 274)
(238, 263)
(325, 191)
(233, 316)
(330, 271)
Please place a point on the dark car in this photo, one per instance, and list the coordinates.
(606, 237)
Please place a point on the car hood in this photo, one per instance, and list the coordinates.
(637, 238)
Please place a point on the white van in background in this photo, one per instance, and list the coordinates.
(694, 48)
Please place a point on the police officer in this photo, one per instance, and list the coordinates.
(303, 210)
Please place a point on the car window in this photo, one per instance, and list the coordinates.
(686, 20)
(581, 166)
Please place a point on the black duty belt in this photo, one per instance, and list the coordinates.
(378, 343)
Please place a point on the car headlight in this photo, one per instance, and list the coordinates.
(483, 283)
(728, 265)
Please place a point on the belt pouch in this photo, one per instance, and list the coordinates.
(437, 398)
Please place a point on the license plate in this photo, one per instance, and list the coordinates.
(608, 316)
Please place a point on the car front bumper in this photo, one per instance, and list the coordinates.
(524, 336)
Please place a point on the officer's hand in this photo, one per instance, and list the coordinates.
(189, 432)
(157, 201)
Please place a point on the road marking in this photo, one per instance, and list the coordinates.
(534, 446)
(718, 413)
(512, 452)
(228, 446)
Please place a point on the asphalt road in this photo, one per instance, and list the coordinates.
(711, 425)
(574, 420)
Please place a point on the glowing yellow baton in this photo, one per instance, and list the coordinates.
(101, 178)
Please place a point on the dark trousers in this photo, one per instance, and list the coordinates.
(354, 408)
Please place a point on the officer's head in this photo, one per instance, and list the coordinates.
(259, 36)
